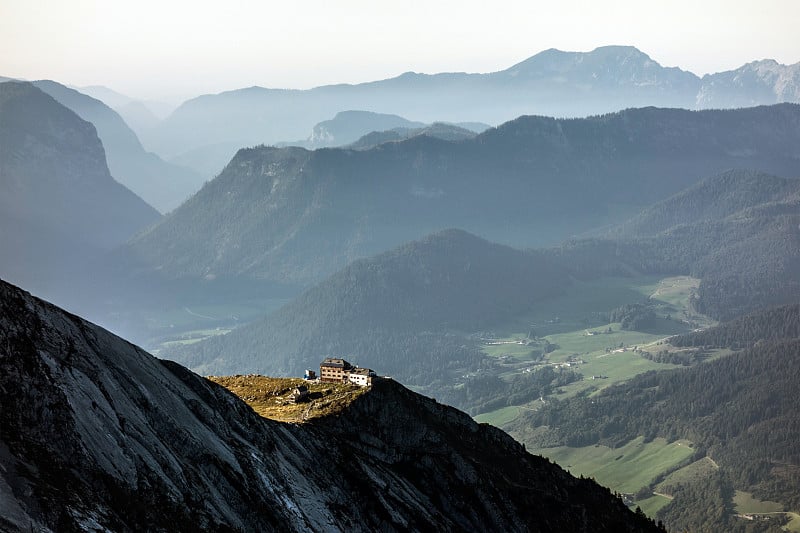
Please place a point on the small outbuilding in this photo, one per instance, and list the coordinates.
(361, 376)
(300, 394)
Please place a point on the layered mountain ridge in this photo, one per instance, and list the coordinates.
(60, 208)
(294, 216)
(553, 83)
(737, 232)
(161, 184)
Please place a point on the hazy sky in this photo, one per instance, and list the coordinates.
(166, 48)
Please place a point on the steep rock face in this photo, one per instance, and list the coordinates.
(161, 184)
(95, 433)
(59, 206)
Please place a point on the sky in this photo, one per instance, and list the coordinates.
(175, 49)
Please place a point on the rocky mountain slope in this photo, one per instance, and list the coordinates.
(97, 434)
(294, 216)
(553, 83)
(756, 83)
(59, 206)
(161, 184)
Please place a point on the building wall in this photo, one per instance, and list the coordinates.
(331, 374)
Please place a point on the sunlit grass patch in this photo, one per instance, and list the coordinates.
(272, 397)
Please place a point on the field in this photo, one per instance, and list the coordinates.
(628, 468)
(746, 504)
(689, 474)
(573, 331)
(499, 417)
(650, 506)
(751, 508)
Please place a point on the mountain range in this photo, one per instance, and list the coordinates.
(97, 434)
(553, 83)
(294, 216)
(60, 208)
(163, 185)
(414, 311)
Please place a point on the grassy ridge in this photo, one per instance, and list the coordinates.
(272, 397)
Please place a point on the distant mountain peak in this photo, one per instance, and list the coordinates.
(614, 66)
(757, 82)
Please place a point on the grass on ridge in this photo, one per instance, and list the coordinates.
(272, 397)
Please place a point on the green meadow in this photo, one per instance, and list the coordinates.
(628, 468)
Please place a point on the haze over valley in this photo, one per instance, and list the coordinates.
(563, 291)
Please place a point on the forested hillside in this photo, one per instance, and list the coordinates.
(766, 325)
(402, 313)
(739, 410)
(743, 245)
(711, 199)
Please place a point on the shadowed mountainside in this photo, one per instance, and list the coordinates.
(95, 433)
(60, 209)
(161, 184)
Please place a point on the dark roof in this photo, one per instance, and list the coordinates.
(335, 363)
